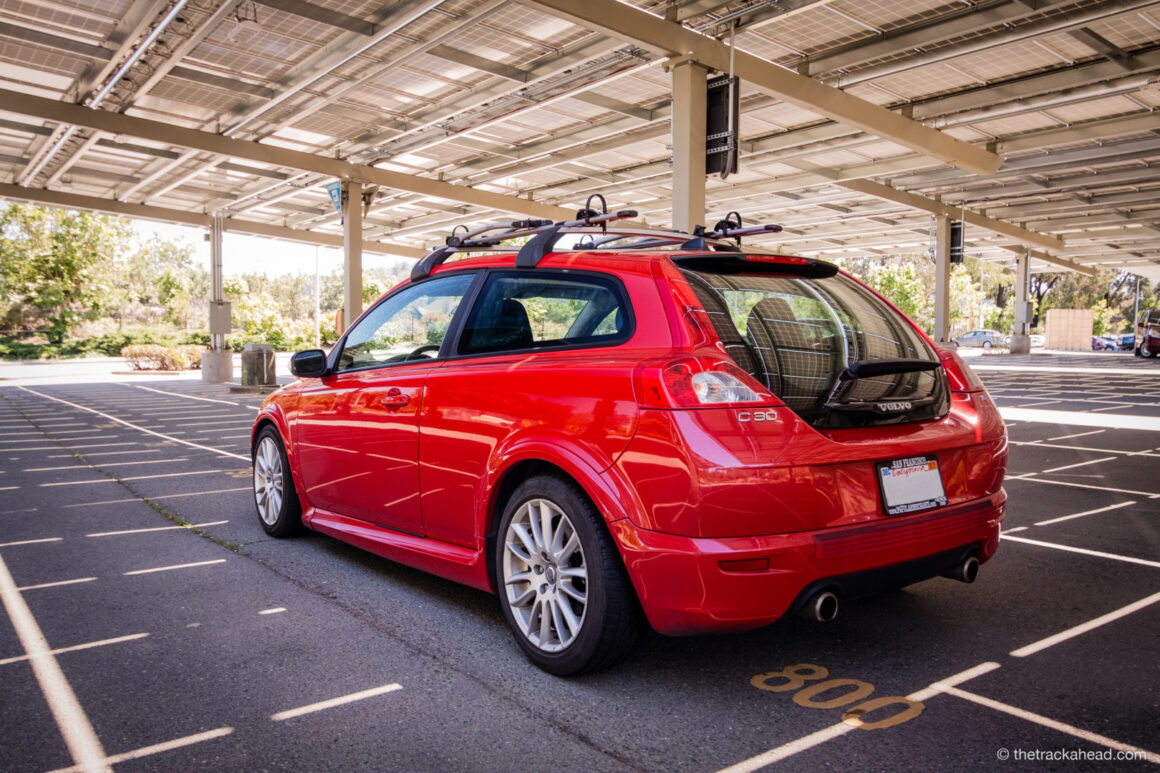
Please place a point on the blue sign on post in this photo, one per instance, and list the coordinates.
(334, 190)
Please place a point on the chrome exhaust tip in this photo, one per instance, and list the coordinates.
(967, 571)
(822, 607)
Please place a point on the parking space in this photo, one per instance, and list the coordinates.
(152, 625)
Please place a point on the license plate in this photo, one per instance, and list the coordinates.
(910, 485)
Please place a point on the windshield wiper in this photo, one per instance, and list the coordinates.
(871, 368)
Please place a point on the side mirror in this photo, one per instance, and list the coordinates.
(308, 364)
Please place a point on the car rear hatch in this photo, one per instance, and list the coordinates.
(831, 350)
(800, 400)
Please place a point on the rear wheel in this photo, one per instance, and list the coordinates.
(1145, 350)
(986, 344)
(279, 511)
(563, 589)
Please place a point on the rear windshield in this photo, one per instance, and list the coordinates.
(797, 335)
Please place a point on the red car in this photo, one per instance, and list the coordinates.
(619, 425)
(1148, 334)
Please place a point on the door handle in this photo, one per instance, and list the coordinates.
(395, 400)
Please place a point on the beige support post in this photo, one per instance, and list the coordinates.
(688, 137)
(1020, 334)
(942, 277)
(352, 284)
(217, 364)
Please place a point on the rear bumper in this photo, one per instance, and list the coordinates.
(684, 589)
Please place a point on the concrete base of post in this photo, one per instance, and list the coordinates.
(217, 367)
(1020, 344)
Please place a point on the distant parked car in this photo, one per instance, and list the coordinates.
(1126, 342)
(1148, 334)
(982, 338)
(1038, 341)
(1103, 343)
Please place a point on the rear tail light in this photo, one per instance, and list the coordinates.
(697, 382)
(959, 374)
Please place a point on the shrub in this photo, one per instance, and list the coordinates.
(192, 354)
(155, 357)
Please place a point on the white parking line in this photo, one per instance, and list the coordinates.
(158, 748)
(1070, 633)
(163, 496)
(137, 477)
(192, 397)
(1086, 512)
(1077, 434)
(74, 725)
(57, 448)
(29, 542)
(136, 427)
(119, 464)
(1029, 479)
(1083, 551)
(93, 437)
(1078, 464)
(273, 611)
(155, 528)
(23, 588)
(1044, 444)
(103, 453)
(79, 647)
(1085, 735)
(1080, 418)
(175, 566)
(329, 704)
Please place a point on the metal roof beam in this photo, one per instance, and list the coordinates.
(118, 123)
(937, 208)
(489, 66)
(57, 42)
(320, 14)
(183, 217)
(626, 22)
(970, 18)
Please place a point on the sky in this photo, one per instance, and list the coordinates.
(242, 254)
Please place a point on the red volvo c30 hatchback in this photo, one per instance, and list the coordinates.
(624, 425)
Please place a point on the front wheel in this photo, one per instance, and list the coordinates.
(986, 344)
(563, 588)
(274, 496)
(1145, 350)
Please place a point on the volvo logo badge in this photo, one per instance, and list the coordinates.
(898, 407)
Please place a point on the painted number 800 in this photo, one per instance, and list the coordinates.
(794, 678)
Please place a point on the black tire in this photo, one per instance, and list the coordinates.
(542, 585)
(1145, 351)
(275, 498)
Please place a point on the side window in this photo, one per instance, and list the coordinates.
(527, 311)
(408, 325)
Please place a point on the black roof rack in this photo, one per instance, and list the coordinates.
(589, 223)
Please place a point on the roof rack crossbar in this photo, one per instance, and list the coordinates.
(588, 221)
(534, 251)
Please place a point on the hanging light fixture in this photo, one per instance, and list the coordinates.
(245, 19)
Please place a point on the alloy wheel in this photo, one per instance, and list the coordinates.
(545, 575)
(268, 480)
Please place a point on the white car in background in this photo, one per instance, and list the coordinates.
(981, 338)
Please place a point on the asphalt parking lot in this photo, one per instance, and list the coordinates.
(151, 625)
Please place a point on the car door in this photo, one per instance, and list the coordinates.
(356, 431)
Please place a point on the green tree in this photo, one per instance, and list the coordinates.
(50, 261)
